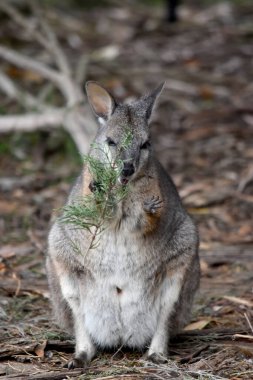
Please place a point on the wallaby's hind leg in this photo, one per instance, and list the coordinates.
(182, 311)
(71, 287)
(176, 302)
(65, 303)
(61, 310)
(158, 349)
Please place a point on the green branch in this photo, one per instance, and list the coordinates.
(93, 211)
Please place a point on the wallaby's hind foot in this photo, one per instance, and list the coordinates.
(79, 361)
(155, 357)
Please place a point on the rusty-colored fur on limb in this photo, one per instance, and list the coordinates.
(136, 287)
(87, 179)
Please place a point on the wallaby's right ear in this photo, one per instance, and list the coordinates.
(100, 100)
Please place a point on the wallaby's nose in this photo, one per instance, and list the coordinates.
(128, 170)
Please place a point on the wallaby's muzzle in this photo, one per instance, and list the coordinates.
(127, 171)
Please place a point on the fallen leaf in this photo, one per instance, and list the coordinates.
(106, 53)
(40, 349)
(6, 252)
(241, 336)
(8, 207)
(238, 300)
(206, 92)
(247, 351)
(2, 268)
(199, 325)
(199, 211)
(245, 230)
(27, 75)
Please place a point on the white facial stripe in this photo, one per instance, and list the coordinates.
(101, 121)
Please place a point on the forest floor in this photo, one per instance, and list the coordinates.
(203, 135)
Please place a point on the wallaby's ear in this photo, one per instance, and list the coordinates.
(148, 101)
(100, 100)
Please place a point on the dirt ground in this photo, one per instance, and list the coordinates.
(203, 135)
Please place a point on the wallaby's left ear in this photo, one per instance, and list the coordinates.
(100, 100)
(148, 101)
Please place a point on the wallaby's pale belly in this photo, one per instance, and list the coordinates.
(119, 303)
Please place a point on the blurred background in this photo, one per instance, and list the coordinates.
(202, 132)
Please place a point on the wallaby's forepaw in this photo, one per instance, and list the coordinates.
(152, 205)
(79, 361)
(155, 357)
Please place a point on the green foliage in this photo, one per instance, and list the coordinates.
(97, 208)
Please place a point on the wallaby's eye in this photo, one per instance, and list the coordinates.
(110, 142)
(146, 145)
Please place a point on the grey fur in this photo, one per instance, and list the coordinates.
(137, 287)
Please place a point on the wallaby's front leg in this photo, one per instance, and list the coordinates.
(152, 205)
(85, 349)
(150, 214)
(170, 291)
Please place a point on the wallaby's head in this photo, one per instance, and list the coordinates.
(124, 129)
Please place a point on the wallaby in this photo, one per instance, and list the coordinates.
(136, 287)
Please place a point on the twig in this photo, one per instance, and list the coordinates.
(98, 227)
(31, 121)
(53, 375)
(249, 323)
(75, 117)
(16, 278)
(55, 48)
(118, 350)
(241, 336)
(49, 42)
(7, 86)
(25, 23)
(24, 62)
(13, 92)
(123, 376)
(80, 128)
(81, 69)
(45, 92)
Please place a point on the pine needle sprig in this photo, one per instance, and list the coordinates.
(93, 211)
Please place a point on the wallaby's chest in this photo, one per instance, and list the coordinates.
(118, 254)
(120, 250)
